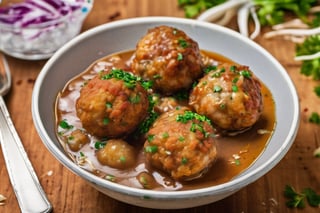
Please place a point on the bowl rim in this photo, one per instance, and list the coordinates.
(232, 185)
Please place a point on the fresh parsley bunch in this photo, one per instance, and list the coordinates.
(311, 45)
(297, 200)
(271, 12)
(192, 8)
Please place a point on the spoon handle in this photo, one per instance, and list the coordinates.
(29, 192)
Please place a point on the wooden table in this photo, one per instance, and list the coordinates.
(69, 193)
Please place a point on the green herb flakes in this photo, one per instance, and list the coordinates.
(183, 43)
(122, 159)
(192, 116)
(209, 69)
(135, 99)
(65, 125)
(128, 78)
(105, 121)
(150, 138)
(181, 138)
(151, 149)
(245, 73)
(109, 105)
(99, 144)
(184, 160)
(217, 88)
(235, 88)
(165, 135)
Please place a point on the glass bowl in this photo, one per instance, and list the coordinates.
(37, 41)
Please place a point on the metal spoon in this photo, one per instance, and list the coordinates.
(27, 188)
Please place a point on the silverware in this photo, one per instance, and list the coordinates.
(25, 183)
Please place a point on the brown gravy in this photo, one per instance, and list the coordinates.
(235, 153)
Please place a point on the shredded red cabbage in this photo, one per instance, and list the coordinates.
(33, 12)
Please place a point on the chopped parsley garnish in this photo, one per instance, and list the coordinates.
(191, 116)
(180, 57)
(181, 138)
(184, 160)
(209, 69)
(157, 76)
(99, 144)
(109, 105)
(65, 125)
(233, 68)
(222, 106)
(217, 73)
(199, 127)
(122, 159)
(245, 73)
(235, 80)
(151, 149)
(150, 138)
(165, 135)
(183, 43)
(152, 116)
(297, 200)
(70, 138)
(146, 124)
(105, 121)
(217, 88)
(135, 99)
(129, 79)
(146, 84)
(234, 88)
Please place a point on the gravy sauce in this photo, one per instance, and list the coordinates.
(235, 153)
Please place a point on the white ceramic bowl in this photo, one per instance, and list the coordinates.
(80, 52)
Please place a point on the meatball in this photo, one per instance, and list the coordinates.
(181, 143)
(112, 104)
(230, 96)
(169, 58)
(117, 154)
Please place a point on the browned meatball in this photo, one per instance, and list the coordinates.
(230, 95)
(112, 104)
(168, 57)
(181, 143)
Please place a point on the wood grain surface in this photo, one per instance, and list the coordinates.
(69, 193)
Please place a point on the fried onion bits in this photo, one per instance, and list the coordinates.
(230, 96)
(169, 58)
(112, 104)
(181, 143)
